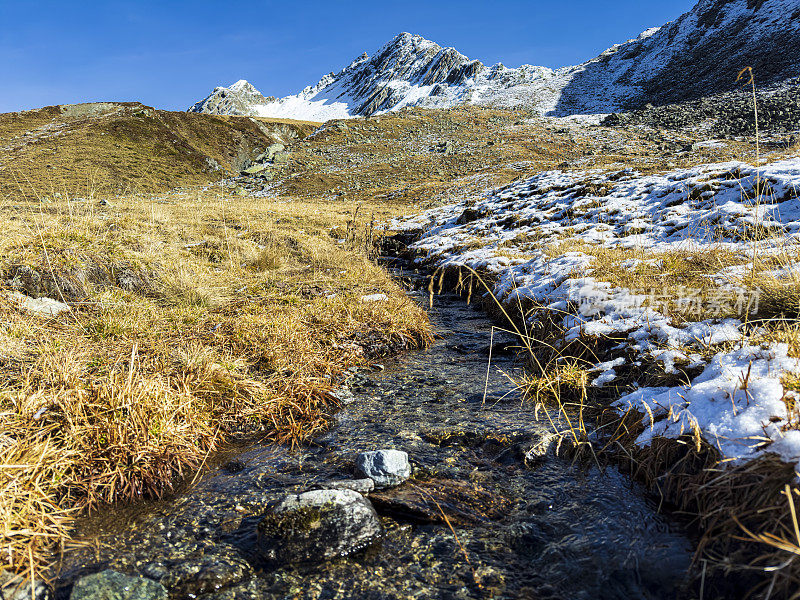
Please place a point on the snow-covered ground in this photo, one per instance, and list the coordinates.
(512, 234)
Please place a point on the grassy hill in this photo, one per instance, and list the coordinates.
(115, 148)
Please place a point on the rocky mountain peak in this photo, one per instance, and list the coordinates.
(236, 99)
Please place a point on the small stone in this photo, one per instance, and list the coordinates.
(387, 468)
(40, 306)
(111, 585)
(374, 298)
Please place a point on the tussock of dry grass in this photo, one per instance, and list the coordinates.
(195, 318)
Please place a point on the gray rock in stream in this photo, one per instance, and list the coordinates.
(111, 585)
(387, 468)
(319, 525)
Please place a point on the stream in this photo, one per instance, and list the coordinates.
(517, 529)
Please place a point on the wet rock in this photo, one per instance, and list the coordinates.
(201, 572)
(445, 437)
(14, 587)
(343, 395)
(111, 585)
(387, 468)
(41, 306)
(544, 446)
(362, 486)
(319, 525)
(462, 502)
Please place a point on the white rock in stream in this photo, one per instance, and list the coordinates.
(387, 468)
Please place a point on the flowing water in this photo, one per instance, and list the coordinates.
(549, 530)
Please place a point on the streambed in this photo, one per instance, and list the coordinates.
(545, 530)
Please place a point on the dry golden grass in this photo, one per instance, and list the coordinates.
(195, 318)
(125, 148)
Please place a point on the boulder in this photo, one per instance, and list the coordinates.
(387, 468)
(270, 152)
(111, 585)
(255, 169)
(281, 158)
(318, 525)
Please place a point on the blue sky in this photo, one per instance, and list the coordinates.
(169, 54)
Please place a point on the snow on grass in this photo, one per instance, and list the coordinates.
(737, 404)
(541, 241)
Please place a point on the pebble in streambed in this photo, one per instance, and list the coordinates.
(489, 511)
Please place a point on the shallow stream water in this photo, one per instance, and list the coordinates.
(550, 530)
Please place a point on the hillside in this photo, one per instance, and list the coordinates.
(106, 148)
(426, 329)
(699, 53)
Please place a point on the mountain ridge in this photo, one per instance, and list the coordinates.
(698, 53)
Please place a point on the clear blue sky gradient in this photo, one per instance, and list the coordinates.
(169, 54)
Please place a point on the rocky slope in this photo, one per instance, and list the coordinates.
(723, 115)
(699, 53)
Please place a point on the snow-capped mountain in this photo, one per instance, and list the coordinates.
(699, 53)
(238, 99)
